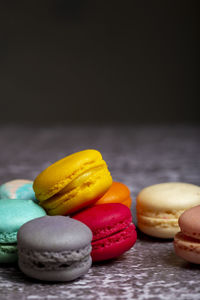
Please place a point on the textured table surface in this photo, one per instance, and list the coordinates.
(137, 156)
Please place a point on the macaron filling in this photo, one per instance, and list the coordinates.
(117, 237)
(194, 235)
(100, 233)
(48, 260)
(84, 178)
(38, 266)
(8, 253)
(158, 222)
(165, 219)
(80, 182)
(8, 248)
(82, 175)
(161, 224)
(88, 184)
(187, 243)
(160, 214)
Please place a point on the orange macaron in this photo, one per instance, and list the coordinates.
(117, 193)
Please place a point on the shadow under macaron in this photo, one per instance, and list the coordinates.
(151, 239)
(177, 262)
(14, 275)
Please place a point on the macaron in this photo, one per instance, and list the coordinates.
(13, 214)
(54, 248)
(18, 189)
(187, 241)
(112, 228)
(159, 207)
(117, 193)
(72, 183)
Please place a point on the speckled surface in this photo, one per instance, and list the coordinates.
(137, 156)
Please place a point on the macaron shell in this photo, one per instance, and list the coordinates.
(189, 222)
(127, 202)
(117, 193)
(187, 248)
(18, 189)
(15, 213)
(58, 175)
(67, 274)
(61, 230)
(171, 196)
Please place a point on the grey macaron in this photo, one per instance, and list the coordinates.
(54, 248)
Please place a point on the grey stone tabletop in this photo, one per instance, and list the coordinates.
(137, 156)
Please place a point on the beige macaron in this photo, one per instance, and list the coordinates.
(159, 207)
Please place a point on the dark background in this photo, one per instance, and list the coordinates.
(78, 61)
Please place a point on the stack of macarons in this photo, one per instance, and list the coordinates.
(89, 218)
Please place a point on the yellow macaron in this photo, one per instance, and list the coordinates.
(159, 207)
(72, 183)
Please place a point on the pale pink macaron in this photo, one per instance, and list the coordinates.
(187, 242)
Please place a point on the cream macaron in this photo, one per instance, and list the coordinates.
(159, 207)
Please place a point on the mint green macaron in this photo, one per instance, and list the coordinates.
(13, 214)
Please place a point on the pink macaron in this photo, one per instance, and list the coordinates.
(187, 242)
(112, 228)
